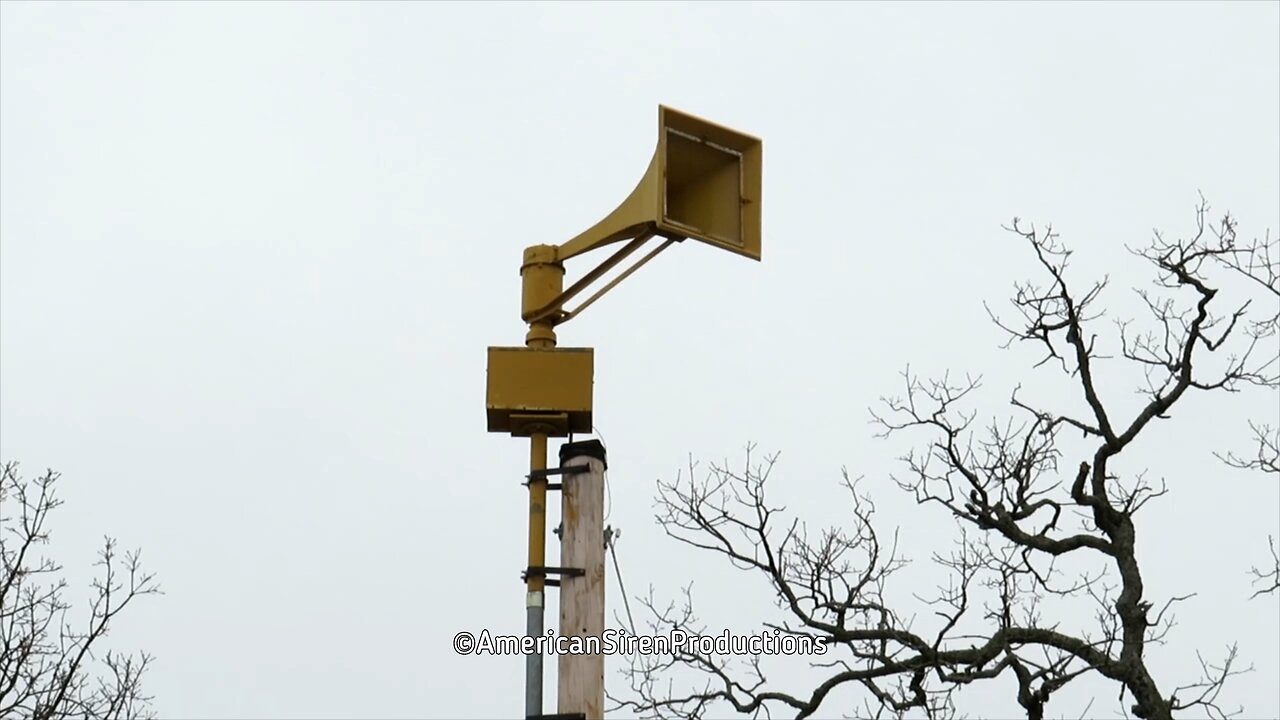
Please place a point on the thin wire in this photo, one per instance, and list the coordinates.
(613, 551)
(613, 540)
(608, 489)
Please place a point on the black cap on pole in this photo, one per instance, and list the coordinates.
(589, 448)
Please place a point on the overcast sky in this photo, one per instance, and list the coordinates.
(252, 255)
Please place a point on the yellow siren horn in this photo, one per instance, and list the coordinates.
(704, 182)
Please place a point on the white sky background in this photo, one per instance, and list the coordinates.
(253, 254)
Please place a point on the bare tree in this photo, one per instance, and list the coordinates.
(1023, 515)
(51, 663)
(1259, 262)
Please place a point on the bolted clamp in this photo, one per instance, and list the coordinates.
(543, 571)
(544, 474)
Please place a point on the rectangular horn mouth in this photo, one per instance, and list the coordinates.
(710, 183)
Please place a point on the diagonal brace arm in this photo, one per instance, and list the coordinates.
(554, 313)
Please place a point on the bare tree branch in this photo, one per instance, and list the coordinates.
(1268, 580)
(1021, 512)
(48, 667)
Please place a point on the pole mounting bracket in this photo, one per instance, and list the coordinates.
(544, 474)
(570, 470)
(544, 571)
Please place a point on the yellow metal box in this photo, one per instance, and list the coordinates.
(525, 383)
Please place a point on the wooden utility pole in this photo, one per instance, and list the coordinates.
(581, 677)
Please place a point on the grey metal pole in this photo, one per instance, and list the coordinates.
(533, 661)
